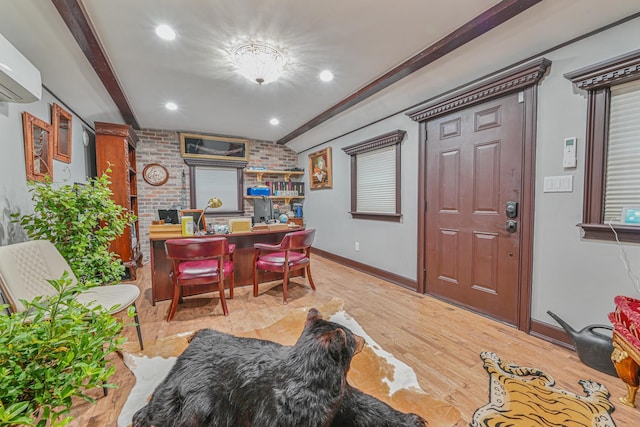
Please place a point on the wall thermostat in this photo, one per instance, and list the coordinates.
(569, 156)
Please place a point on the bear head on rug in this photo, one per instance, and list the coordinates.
(224, 380)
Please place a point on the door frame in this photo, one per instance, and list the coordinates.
(523, 78)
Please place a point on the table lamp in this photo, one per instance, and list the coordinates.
(213, 203)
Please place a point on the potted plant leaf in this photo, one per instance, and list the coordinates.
(81, 220)
(52, 353)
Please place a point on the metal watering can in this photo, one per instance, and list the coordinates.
(594, 348)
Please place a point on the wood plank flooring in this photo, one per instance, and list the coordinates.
(440, 341)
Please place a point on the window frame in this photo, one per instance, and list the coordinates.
(382, 141)
(231, 164)
(597, 80)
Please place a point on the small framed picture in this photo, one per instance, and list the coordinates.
(61, 126)
(38, 148)
(320, 169)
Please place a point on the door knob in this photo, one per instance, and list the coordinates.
(512, 226)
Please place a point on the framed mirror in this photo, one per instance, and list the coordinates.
(38, 148)
(61, 124)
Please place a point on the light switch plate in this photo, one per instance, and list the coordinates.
(558, 184)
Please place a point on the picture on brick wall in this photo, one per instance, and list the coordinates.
(197, 146)
(320, 169)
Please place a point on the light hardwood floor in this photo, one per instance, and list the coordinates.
(440, 341)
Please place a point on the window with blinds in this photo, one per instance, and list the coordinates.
(375, 177)
(622, 180)
(376, 181)
(216, 182)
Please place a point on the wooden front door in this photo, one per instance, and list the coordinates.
(473, 173)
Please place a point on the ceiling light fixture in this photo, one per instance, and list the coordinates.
(171, 106)
(326, 76)
(165, 32)
(274, 121)
(259, 62)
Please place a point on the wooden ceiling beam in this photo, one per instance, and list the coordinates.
(76, 18)
(478, 26)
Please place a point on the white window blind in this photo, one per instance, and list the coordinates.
(622, 187)
(217, 182)
(376, 181)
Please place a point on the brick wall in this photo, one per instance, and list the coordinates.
(162, 146)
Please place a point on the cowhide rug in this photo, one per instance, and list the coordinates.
(374, 370)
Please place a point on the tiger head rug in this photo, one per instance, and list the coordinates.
(522, 396)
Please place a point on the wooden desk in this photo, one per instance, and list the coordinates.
(162, 287)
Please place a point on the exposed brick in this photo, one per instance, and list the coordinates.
(163, 146)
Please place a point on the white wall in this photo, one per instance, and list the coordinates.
(573, 277)
(14, 195)
(385, 245)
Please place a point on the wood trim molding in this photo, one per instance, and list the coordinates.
(512, 81)
(625, 233)
(376, 216)
(77, 20)
(390, 138)
(607, 73)
(218, 163)
(481, 24)
(114, 129)
(552, 334)
(376, 272)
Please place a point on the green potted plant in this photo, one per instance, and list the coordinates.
(81, 220)
(53, 352)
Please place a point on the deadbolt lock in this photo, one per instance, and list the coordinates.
(511, 209)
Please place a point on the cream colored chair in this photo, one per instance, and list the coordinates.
(26, 267)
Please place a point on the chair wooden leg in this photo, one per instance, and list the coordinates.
(285, 285)
(233, 278)
(255, 280)
(308, 269)
(223, 300)
(135, 317)
(174, 302)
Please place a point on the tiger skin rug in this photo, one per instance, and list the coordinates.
(521, 396)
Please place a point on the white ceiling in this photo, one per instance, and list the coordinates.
(359, 40)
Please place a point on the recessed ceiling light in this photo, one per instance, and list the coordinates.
(274, 121)
(171, 106)
(326, 76)
(165, 32)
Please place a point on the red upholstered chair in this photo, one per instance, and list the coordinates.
(200, 261)
(293, 253)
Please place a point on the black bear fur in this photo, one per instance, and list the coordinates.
(222, 381)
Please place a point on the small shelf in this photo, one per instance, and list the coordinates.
(259, 173)
(287, 199)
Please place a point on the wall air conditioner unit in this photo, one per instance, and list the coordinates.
(19, 79)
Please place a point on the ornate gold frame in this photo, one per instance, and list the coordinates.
(198, 146)
(320, 172)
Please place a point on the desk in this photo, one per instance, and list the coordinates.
(162, 287)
